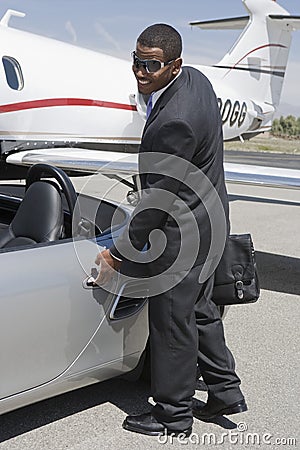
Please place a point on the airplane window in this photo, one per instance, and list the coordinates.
(13, 73)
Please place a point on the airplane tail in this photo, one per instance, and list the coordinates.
(258, 59)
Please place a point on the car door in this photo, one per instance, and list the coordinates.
(47, 317)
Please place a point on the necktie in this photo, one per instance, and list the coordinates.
(149, 106)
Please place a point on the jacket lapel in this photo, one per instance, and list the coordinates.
(164, 98)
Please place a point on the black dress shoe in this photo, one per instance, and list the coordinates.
(213, 409)
(147, 424)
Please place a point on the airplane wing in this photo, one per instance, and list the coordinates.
(234, 23)
(293, 21)
(238, 23)
(80, 160)
(122, 166)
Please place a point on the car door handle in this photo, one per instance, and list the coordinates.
(89, 282)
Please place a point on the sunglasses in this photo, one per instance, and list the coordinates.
(150, 65)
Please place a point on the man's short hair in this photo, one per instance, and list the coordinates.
(163, 36)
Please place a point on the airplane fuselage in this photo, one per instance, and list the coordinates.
(54, 91)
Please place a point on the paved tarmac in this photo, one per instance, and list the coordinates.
(284, 160)
(264, 338)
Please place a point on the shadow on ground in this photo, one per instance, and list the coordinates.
(278, 273)
(129, 397)
(132, 398)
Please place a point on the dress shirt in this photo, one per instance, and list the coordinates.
(142, 100)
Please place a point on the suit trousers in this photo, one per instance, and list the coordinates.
(186, 329)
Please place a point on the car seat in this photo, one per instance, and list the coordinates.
(39, 217)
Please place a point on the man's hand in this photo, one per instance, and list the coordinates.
(108, 266)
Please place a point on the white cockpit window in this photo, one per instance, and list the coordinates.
(13, 73)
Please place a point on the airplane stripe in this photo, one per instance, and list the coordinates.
(51, 102)
(249, 69)
(259, 48)
(279, 74)
(264, 67)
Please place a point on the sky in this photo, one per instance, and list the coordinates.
(112, 26)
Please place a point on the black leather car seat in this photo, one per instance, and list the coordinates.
(39, 217)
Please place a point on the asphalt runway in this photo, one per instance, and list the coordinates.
(284, 160)
(264, 338)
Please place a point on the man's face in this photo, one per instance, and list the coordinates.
(154, 81)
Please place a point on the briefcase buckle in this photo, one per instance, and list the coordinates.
(239, 287)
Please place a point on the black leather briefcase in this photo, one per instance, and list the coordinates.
(236, 278)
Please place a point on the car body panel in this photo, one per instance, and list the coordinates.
(56, 333)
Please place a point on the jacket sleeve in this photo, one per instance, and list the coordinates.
(163, 169)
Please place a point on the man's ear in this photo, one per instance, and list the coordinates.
(176, 66)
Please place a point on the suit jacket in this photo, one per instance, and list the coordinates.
(184, 203)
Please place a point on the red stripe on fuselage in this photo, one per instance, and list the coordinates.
(50, 102)
(258, 48)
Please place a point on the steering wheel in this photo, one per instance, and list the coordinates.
(40, 170)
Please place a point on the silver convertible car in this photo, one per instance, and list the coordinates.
(59, 332)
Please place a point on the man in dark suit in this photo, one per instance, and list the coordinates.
(183, 218)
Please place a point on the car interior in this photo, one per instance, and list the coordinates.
(44, 210)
